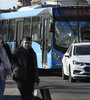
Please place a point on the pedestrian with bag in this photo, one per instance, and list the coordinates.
(5, 66)
(25, 71)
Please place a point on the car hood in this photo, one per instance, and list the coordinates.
(82, 58)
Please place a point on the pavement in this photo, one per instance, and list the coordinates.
(11, 91)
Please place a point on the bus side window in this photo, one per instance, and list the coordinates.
(4, 29)
(27, 24)
(35, 28)
(11, 30)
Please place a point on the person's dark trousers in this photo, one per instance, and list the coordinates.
(26, 89)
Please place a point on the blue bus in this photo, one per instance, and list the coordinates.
(52, 30)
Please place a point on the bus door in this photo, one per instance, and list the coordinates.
(19, 31)
(44, 45)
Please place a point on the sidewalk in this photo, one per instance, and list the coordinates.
(11, 91)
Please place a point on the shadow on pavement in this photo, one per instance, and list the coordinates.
(11, 97)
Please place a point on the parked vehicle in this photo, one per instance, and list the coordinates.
(76, 62)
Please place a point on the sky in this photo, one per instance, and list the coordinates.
(6, 4)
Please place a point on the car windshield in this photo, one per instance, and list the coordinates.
(82, 50)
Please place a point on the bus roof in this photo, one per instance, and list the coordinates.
(25, 13)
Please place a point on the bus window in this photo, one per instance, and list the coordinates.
(19, 31)
(4, 25)
(27, 27)
(11, 30)
(65, 33)
(49, 35)
(36, 28)
(85, 33)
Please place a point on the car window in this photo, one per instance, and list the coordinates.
(82, 50)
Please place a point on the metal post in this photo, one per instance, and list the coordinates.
(45, 94)
(78, 20)
(57, 2)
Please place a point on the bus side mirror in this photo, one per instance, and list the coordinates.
(51, 27)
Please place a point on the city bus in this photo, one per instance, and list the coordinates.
(52, 30)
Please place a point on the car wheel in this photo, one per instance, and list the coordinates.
(64, 77)
(70, 77)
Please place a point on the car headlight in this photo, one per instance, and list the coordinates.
(78, 63)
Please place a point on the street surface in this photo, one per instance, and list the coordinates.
(59, 89)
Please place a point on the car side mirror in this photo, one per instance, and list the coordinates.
(67, 55)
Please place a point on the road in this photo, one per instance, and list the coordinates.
(59, 89)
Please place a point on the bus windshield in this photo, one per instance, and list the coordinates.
(66, 32)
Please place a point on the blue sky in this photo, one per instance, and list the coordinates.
(6, 4)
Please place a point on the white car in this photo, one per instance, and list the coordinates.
(76, 62)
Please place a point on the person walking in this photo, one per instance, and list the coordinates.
(24, 67)
(5, 66)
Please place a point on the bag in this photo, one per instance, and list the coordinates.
(35, 93)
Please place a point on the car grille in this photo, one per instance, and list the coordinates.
(87, 69)
(87, 63)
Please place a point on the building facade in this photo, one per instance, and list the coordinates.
(23, 3)
(60, 2)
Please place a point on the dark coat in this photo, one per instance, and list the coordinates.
(27, 63)
(8, 51)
